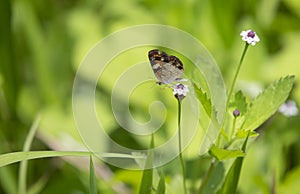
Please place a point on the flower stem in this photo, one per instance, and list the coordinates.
(233, 128)
(179, 147)
(236, 75)
(231, 90)
(231, 139)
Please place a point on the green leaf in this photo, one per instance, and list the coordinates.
(38, 186)
(9, 158)
(146, 183)
(222, 154)
(203, 98)
(232, 178)
(239, 102)
(213, 178)
(93, 186)
(267, 103)
(243, 134)
(161, 188)
(12, 157)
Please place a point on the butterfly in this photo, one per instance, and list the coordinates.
(167, 68)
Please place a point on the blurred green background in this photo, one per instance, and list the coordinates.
(43, 42)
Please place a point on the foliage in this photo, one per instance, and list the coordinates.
(42, 44)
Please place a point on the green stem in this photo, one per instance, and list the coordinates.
(24, 163)
(236, 75)
(152, 141)
(231, 89)
(233, 128)
(231, 139)
(179, 147)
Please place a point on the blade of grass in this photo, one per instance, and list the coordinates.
(23, 164)
(38, 186)
(232, 178)
(13, 157)
(208, 175)
(93, 186)
(147, 178)
(161, 188)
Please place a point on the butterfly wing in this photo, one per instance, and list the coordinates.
(166, 68)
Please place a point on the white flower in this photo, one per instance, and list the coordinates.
(250, 37)
(289, 109)
(180, 91)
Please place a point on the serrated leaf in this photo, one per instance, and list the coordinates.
(267, 103)
(203, 98)
(239, 102)
(222, 154)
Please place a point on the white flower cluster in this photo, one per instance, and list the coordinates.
(250, 37)
(180, 91)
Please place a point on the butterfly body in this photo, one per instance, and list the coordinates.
(167, 69)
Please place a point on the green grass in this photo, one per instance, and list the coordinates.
(42, 44)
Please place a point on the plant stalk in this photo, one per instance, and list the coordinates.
(236, 75)
(179, 147)
(232, 88)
